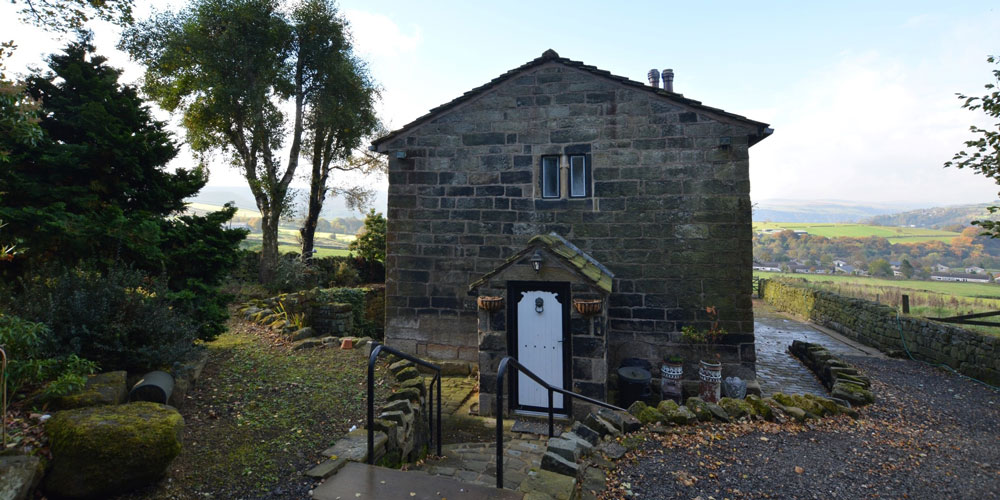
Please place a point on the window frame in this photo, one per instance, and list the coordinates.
(586, 176)
(556, 159)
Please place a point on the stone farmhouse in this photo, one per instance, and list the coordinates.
(572, 218)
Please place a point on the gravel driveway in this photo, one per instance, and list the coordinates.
(929, 434)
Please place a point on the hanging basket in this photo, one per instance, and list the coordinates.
(490, 303)
(587, 307)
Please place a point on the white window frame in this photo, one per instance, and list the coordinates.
(552, 162)
(573, 177)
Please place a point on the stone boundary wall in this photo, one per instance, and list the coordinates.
(970, 353)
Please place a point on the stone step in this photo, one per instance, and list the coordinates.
(362, 481)
(545, 485)
(559, 465)
(602, 426)
(585, 445)
(354, 446)
(568, 449)
(589, 435)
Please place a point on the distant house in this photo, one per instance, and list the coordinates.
(845, 269)
(799, 268)
(971, 278)
(839, 263)
(767, 266)
(975, 270)
(895, 264)
(941, 268)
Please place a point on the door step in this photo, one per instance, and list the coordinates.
(363, 481)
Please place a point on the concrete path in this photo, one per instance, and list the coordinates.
(362, 481)
(779, 371)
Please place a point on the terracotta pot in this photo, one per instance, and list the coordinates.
(346, 344)
(490, 303)
(710, 375)
(587, 307)
(671, 375)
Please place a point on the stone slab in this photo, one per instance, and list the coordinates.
(19, 476)
(367, 482)
(327, 468)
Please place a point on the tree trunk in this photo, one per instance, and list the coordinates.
(317, 193)
(269, 249)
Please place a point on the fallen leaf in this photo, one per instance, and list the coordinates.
(799, 470)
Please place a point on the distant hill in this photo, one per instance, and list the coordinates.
(243, 198)
(935, 218)
(822, 210)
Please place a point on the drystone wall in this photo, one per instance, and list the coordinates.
(970, 353)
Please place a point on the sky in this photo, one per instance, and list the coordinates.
(861, 95)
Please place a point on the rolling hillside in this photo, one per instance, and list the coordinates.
(893, 234)
(937, 217)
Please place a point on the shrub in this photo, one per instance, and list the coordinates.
(22, 341)
(122, 319)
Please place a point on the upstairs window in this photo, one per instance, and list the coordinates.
(578, 178)
(550, 177)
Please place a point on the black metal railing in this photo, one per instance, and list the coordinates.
(501, 371)
(378, 349)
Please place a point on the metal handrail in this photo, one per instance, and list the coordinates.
(378, 349)
(501, 372)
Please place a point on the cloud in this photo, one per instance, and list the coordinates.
(869, 128)
(377, 36)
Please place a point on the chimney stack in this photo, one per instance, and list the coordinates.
(654, 78)
(668, 80)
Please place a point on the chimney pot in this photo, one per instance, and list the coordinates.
(668, 80)
(654, 78)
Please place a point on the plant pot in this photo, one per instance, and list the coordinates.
(490, 303)
(671, 375)
(587, 307)
(710, 375)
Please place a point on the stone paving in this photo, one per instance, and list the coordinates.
(455, 392)
(477, 462)
(779, 371)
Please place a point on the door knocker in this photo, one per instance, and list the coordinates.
(538, 305)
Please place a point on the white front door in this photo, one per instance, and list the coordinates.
(539, 347)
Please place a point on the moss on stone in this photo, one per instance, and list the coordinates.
(760, 408)
(649, 415)
(636, 408)
(736, 408)
(667, 406)
(699, 408)
(103, 450)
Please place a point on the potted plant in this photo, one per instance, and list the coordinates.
(710, 370)
(671, 374)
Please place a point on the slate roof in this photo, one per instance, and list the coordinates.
(578, 260)
(551, 56)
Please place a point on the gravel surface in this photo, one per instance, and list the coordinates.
(929, 434)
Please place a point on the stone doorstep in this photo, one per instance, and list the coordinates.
(327, 468)
(549, 485)
(354, 446)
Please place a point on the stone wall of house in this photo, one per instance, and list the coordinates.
(588, 342)
(670, 212)
(971, 353)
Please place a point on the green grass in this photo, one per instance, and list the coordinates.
(928, 299)
(942, 287)
(262, 414)
(893, 234)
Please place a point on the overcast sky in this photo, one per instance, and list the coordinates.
(861, 97)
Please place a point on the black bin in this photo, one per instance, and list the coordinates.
(633, 385)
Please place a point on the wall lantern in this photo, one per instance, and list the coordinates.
(536, 261)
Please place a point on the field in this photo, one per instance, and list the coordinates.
(202, 208)
(928, 299)
(893, 234)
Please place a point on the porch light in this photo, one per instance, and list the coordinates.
(536, 261)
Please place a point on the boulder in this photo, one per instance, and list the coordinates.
(303, 333)
(103, 389)
(760, 408)
(100, 451)
(855, 394)
(717, 412)
(19, 476)
(650, 415)
(699, 408)
(736, 408)
(636, 408)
